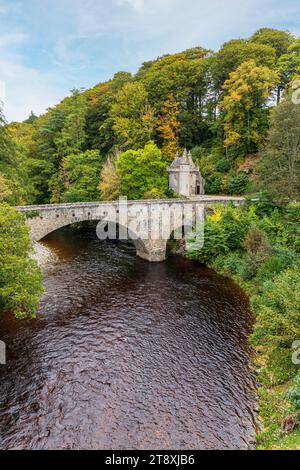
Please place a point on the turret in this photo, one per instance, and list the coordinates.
(185, 178)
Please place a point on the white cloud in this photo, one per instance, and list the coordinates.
(25, 90)
(135, 4)
(12, 39)
(2, 92)
(82, 42)
(9, 7)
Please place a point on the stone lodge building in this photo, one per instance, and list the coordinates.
(185, 178)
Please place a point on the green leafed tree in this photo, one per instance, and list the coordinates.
(277, 39)
(279, 170)
(289, 63)
(233, 53)
(79, 177)
(134, 119)
(185, 77)
(20, 278)
(280, 41)
(142, 171)
(73, 134)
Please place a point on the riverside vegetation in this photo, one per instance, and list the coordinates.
(233, 109)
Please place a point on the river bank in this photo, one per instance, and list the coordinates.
(43, 255)
(273, 403)
(260, 251)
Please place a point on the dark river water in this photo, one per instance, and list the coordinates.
(125, 354)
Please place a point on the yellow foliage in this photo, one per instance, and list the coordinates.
(217, 214)
(168, 126)
(247, 90)
(110, 181)
(5, 190)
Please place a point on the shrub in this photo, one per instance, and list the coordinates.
(224, 230)
(292, 219)
(263, 202)
(155, 193)
(232, 264)
(223, 165)
(275, 228)
(277, 310)
(257, 245)
(297, 244)
(248, 269)
(282, 259)
(219, 263)
(238, 184)
(214, 243)
(213, 185)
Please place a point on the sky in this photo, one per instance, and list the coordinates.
(48, 47)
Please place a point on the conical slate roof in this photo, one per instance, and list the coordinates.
(176, 162)
(186, 159)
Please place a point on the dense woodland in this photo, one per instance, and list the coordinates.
(219, 105)
(233, 110)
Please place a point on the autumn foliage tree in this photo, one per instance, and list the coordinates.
(110, 180)
(168, 127)
(244, 107)
(215, 102)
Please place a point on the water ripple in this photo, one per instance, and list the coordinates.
(128, 355)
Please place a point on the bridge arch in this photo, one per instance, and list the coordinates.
(46, 219)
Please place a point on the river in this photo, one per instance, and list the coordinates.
(125, 354)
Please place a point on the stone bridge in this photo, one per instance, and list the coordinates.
(45, 219)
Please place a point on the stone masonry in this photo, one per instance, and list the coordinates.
(45, 219)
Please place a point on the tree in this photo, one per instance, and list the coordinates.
(280, 41)
(11, 165)
(49, 129)
(99, 128)
(233, 53)
(168, 126)
(279, 170)
(275, 38)
(5, 189)
(183, 76)
(80, 176)
(33, 171)
(142, 171)
(289, 63)
(110, 181)
(244, 105)
(134, 119)
(20, 278)
(4, 141)
(73, 134)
